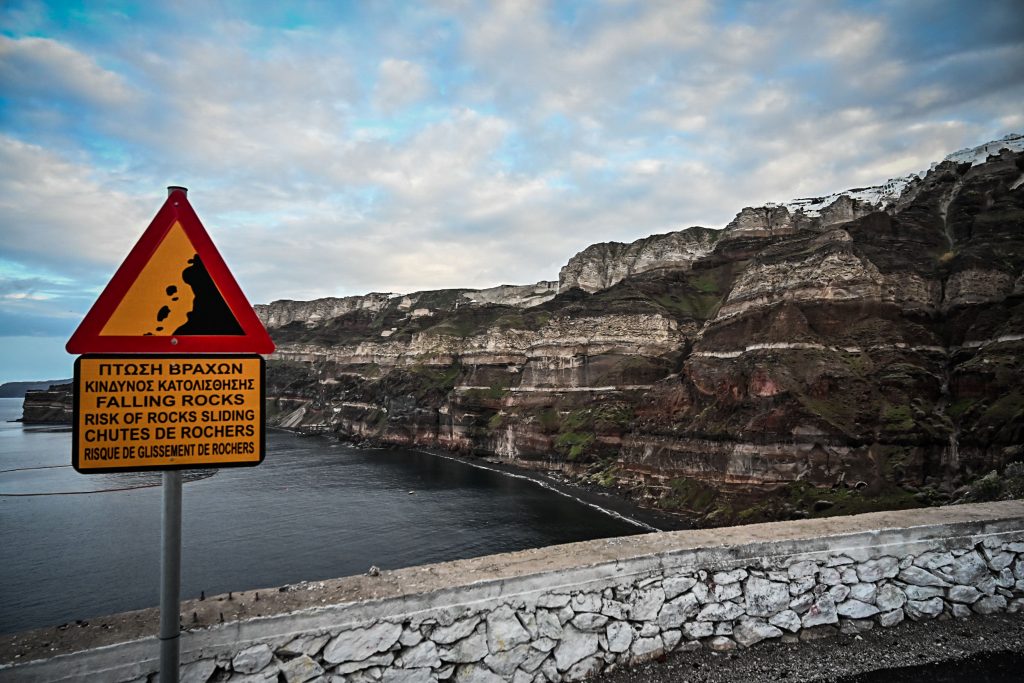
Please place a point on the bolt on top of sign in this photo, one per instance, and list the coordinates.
(171, 378)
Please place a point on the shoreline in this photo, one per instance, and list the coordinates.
(577, 493)
(605, 502)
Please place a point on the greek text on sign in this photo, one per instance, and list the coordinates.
(166, 412)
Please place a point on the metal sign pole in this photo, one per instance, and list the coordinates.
(170, 570)
(170, 578)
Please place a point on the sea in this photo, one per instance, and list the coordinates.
(77, 547)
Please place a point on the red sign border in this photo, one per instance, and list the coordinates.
(75, 428)
(87, 338)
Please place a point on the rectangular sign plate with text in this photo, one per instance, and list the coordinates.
(145, 412)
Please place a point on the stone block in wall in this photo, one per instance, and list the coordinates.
(750, 631)
(890, 618)
(620, 636)
(720, 611)
(802, 569)
(252, 659)
(504, 630)
(420, 655)
(574, 646)
(198, 672)
(933, 560)
(855, 609)
(300, 669)
(548, 625)
(505, 662)
(916, 576)
(374, 662)
(646, 604)
(855, 626)
(865, 592)
(876, 570)
(924, 609)
(303, 645)
(675, 612)
(839, 593)
(695, 630)
(444, 635)
(589, 621)
(359, 644)
(647, 648)
(967, 570)
(585, 669)
(585, 602)
(821, 612)
(722, 644)
(889, 598)
(923, 592)
(474, 673)
(786, 619)
(990, 605)
(765, 598)
(960, 611)
(470, 649)
(677, 585)
(726, 578)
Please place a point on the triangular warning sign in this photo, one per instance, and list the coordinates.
(172, 294)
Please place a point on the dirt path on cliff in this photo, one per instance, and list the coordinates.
(980, 650)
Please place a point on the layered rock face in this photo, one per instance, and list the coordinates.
(871, 342)
(600, 266)
(319, 311)
(313, 313)
(51, 406)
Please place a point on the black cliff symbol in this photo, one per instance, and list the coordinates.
(210, 314)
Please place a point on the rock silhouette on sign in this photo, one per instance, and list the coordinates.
(210, 314)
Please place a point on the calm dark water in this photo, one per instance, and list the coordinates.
(315, 509)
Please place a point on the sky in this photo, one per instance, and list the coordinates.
(339, 148)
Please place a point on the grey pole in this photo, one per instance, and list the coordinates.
(170, 569)
(170, 578)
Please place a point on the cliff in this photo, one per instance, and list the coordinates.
(841, 353)
(600, 266)
(50, 406)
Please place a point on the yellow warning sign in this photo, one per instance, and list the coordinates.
(164, 412)
(172, 294)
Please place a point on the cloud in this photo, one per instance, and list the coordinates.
(849, 38)
(38, 306)
(399, 84)
(41, 68)
(63, 216)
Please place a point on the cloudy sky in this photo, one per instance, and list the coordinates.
(339, 148)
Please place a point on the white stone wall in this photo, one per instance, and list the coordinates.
(569, 636)
(617, 602)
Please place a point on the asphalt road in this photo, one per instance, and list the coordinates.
(979, 650)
